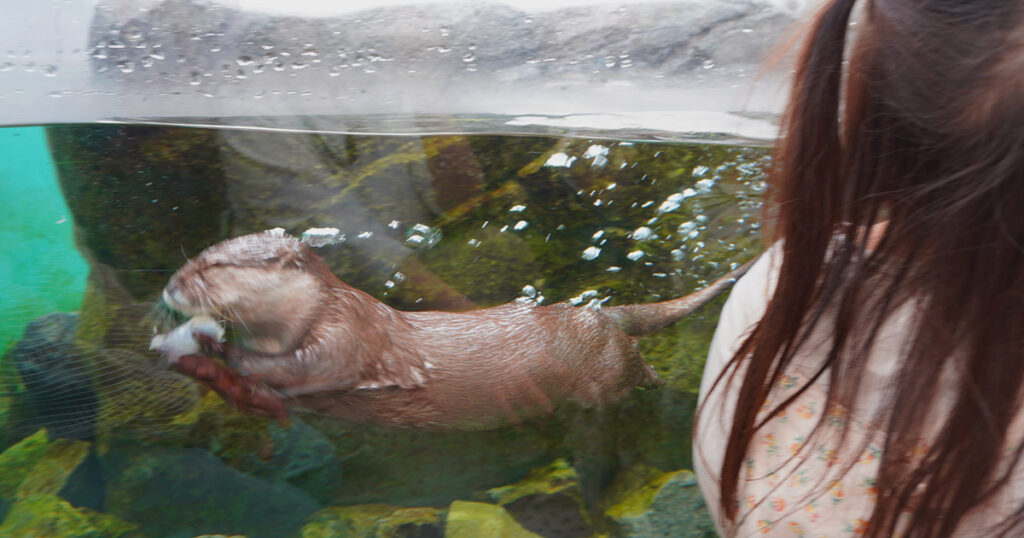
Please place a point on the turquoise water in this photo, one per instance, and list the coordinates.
(41, 270)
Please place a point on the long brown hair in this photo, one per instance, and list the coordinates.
(924, 129)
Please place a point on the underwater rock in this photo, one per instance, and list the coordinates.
(473, 520)
(189, 491)
(32, 473)
(17, 462)
(546, 502)
(62, 466)
(141, 196)
(298, 454)
(44, 514)
(412, 468)
(645, 502)
(375, 521)
(52, 471)
(54, 372)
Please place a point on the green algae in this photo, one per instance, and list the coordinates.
(472, 520)
(17, 462)
(646, 502)
(44, 514)
(51, 472)
(557, 477)
(374, 521)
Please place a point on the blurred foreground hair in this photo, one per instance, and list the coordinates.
(924, 129)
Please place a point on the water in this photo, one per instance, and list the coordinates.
(420, 222)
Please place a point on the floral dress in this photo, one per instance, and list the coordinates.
(794, 484)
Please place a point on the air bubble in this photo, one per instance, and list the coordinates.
(422, 236)
(643, 233)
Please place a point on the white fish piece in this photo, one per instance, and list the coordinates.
(181, 341)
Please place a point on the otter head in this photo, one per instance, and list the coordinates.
(268, 285)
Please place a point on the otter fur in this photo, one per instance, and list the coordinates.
(306, 338)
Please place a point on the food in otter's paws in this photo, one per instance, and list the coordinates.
(181, 340)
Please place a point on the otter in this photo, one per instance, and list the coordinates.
(308, 339)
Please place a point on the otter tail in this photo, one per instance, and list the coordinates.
(641, 319)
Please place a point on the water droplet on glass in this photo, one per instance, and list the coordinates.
(366, 234)
(445, 32)
(699, 171)
(635, 255)
(126, 66)
(469, 57)
(707, 64)
(244, 60)
(521, 225)
(591, 253)
(613, 269)
(49, 70)
(518, 208)
(529, 291)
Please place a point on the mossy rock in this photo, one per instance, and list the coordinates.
(473, 520)
(139, 399)
(296, 453)
(547, 501)
(140, 196)
(375, 521)
(646, 502)
(44, 514)
(413, 468)
(189, 491)
(16, 462)
(51, 472)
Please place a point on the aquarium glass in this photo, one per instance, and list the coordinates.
(566, 158)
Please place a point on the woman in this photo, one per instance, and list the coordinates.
(866, 376)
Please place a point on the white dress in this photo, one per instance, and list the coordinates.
(791, 488)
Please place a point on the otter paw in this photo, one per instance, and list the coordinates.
(248, 394)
